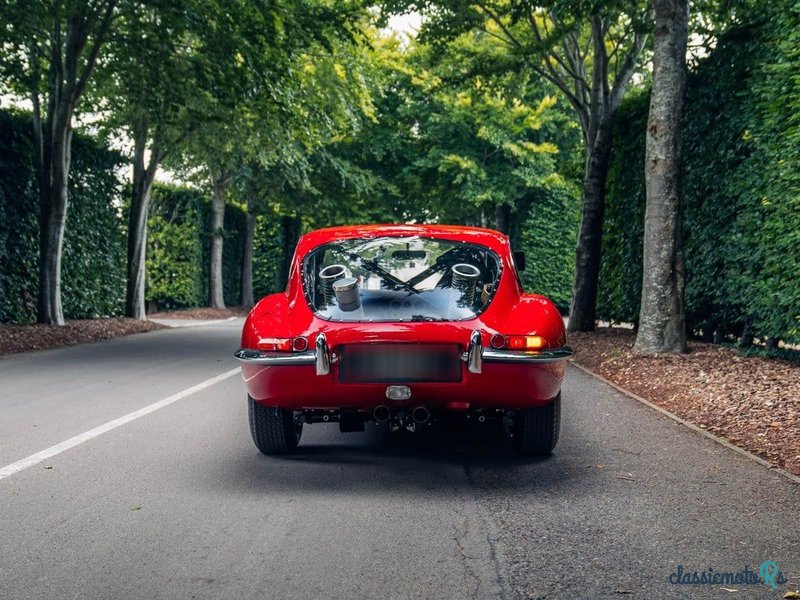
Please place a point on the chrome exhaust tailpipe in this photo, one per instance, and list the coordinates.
(381, 413)
(421, 414)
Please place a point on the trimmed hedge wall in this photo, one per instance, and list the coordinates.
(175, 248)
(267, 256)
(93, 263)
(94, 255)
(548, 235)
(742, 187)
(179, 244)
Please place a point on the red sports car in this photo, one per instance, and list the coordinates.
(399, 325)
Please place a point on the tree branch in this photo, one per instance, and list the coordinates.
(571, 69)
(105, 25)
(598, 105)
(36, 100)
(626, 70)
(496, 19)
(552, 75)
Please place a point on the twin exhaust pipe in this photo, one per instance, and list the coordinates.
(420, 414)
(381, 413)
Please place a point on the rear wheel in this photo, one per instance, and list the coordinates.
(274, 430)
(536, 429)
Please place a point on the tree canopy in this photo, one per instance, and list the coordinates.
(272, 117)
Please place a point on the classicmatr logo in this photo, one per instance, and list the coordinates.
(767, 574)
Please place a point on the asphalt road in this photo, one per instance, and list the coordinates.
(178, 503)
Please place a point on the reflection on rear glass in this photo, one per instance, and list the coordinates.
(400, 279)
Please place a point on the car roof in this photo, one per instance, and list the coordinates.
(490, 238)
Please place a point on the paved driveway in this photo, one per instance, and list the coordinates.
(175, 502)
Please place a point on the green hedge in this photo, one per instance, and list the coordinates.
(548, 235)
(742, 188)
(175, 248)
(267, 256)
(18, 220)
(94, 255)
(621, 266)
(178, 247)
(93, 263)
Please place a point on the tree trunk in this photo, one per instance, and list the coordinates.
(70, 61)
(503, 218)
(219, 185)
(247, 298)
(662, 321)
(590, 235)
(53, 194)
(143, 177)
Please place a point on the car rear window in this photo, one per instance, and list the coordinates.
(400, 279)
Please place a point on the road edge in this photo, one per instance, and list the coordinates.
(173, 323)
(707, 434)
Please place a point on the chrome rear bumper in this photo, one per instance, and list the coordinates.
(261, 357)
(529, 356)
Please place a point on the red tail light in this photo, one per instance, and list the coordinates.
(518, 342)
(298, 344)
(498, 341)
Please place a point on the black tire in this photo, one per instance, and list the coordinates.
(536, 429)
(274, 430)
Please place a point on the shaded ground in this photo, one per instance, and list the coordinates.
(22, 338)
(752, 402)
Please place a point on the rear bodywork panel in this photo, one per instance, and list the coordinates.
(436, 360)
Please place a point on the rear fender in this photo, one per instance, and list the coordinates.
(536, 315)
(274, 316)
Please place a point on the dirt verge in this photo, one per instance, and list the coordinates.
(23, 338)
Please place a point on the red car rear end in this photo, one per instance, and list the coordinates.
(398, 324)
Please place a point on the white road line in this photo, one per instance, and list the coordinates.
(52, 451)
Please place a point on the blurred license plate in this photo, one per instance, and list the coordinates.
(399, 363)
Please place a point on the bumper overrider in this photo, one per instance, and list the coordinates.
(322, 358)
